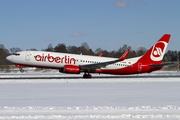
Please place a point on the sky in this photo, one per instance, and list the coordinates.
(106, 24)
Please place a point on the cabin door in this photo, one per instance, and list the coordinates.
(27, 57)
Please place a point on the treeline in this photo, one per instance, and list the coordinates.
(86, 50)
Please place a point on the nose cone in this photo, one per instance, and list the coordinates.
(9, 58)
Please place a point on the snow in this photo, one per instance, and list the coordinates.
(35, 96)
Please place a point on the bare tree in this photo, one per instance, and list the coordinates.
(85, 45)
(84, 49)
(122, 50)
(98, 51)
(32, 49)
(141, 51)
(50, 48)
(72, 49)
(60, 48)
(3, 54)
(15, 49)
(6, 50)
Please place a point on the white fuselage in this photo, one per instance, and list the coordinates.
(58, 60)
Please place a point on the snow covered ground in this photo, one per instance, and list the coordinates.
(35, 96)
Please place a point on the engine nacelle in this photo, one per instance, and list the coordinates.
(72, 69)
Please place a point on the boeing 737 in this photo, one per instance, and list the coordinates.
(75, 64)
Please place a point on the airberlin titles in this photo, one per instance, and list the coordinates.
(66, 59)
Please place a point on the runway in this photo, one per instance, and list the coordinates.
(70, 97)
(56, 75)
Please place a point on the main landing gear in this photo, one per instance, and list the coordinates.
(21, 70)
(87, 75)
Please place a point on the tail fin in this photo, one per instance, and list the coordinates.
(156, 53)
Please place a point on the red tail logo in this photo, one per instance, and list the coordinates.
(158, 51)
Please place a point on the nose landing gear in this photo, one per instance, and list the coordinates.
(20, 68)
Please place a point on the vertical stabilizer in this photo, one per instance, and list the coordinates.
(156, 52)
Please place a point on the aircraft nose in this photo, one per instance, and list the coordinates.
(9, 58)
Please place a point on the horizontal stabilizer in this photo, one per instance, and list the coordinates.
(162, 64)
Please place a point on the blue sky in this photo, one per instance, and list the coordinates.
(108, 24)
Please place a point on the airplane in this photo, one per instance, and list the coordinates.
(75, 64)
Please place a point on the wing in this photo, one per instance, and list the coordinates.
(103, 64)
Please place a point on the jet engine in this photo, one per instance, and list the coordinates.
(71, 69)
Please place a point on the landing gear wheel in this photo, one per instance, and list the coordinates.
(21, 70)
(87, 75)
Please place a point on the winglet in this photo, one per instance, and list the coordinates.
(101, 54)
(123, 57)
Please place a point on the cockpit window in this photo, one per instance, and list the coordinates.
(16, 54)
